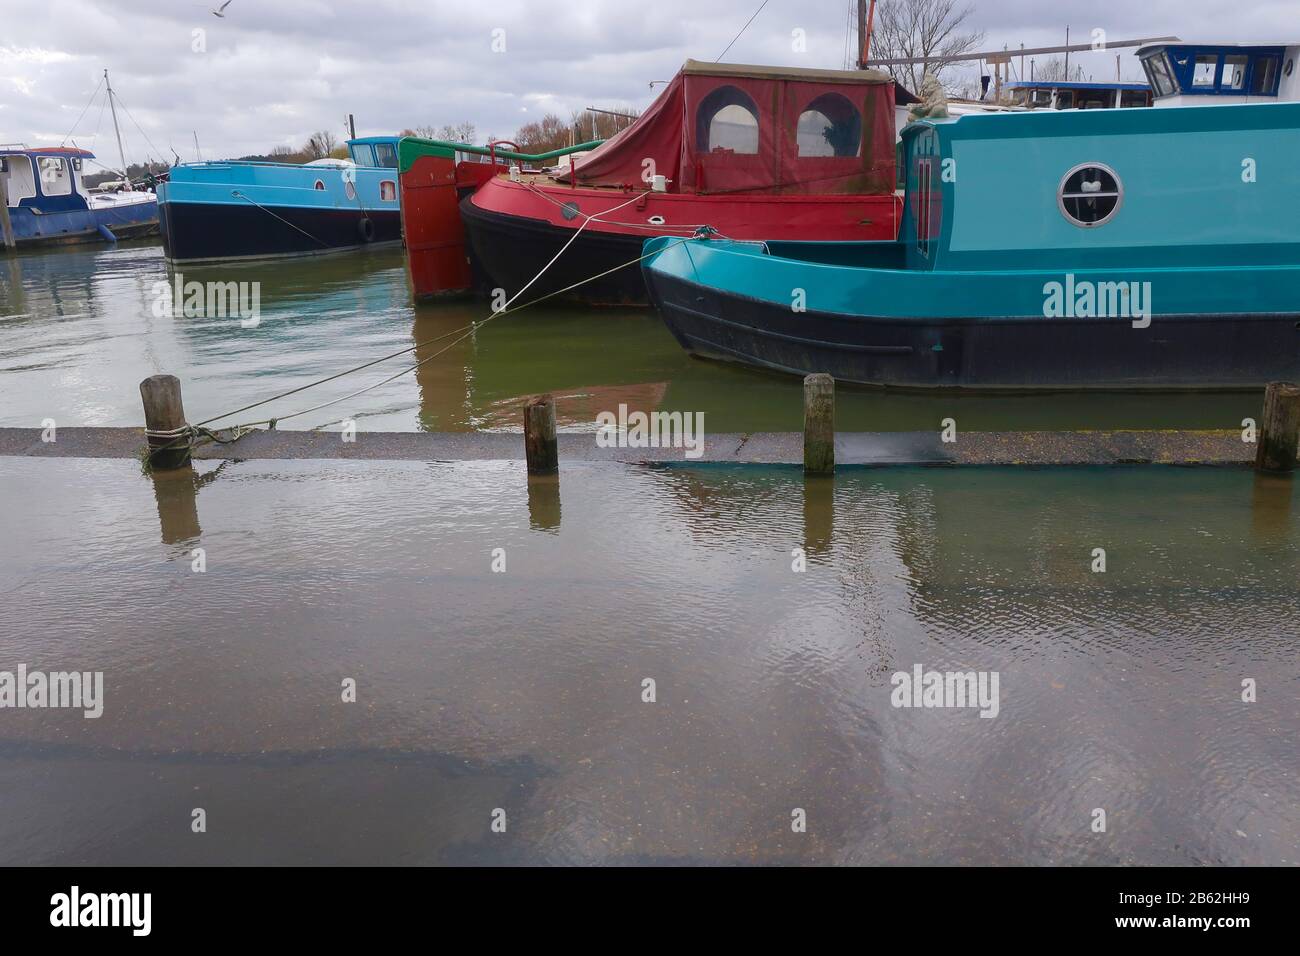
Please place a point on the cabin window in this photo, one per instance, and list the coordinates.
(319, 185)
(1204, 71)
(924, 182)
(1090, 195)
(1095, 99)
(387, 190)
(1041, 98)
(1234, 72)
(830, 126)
(19, 179)
(55, 178)
(727, 122)
(1160, 74)
(386, 155)
(1065, 100)
(1264, 80)
(1134, 98)
(362, 154)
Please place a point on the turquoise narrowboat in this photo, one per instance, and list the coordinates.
(218, 211)
(1117, 248)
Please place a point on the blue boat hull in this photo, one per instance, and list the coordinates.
(701, 299)
(83, 225)
(199, 231)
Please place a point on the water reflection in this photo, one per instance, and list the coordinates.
(544, 502)
(79, 327)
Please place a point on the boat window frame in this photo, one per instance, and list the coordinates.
(1159, 68)
(28, 182)
(818, 106)
(924, 185)
(1118, 194)
(1229, 59)
(1212, 83)
(65, 174)
(389, 153)
(1270, 61)
(713, 103)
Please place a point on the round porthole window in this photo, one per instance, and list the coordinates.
(1090, 195)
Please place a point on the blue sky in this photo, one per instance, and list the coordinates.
(273, 71)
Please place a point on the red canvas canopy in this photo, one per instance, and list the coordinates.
(726, 127)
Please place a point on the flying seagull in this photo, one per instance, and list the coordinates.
(221, 10)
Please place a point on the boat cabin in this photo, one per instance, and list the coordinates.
(48, 179)
(1096, 190)
(1062, 95)
(730, 128)
(375, 151)
(1201, 74)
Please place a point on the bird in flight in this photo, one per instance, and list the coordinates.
(221, 10)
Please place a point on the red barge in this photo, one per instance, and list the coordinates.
(751, 152)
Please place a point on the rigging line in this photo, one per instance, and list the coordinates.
(156, 150)
(241, 430)
(474, 328)
(742, 30)
(83, 111)
(94, 137)
(240, 195)
(471, 328)
(346, 371)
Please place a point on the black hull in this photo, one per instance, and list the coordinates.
(195, 232)
(508, 251)
(981, 354)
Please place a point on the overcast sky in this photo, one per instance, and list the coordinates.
(273, 71)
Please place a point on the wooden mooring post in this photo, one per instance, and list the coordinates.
(1279, 429)
(164, 421)
(818, 424)
(540, 445)
(6, 224)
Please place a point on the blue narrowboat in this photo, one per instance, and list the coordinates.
(217, 211)
(48, 201)
(1114, 248)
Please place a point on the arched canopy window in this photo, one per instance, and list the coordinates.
(830, 126)
(727, 121)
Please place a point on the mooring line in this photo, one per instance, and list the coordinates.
(198, 434)
(241, 195)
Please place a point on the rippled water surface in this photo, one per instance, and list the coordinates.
(522, 691)
(78, 331)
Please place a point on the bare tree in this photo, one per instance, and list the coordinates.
(921, 28)
(321, 144)
(1050, 70)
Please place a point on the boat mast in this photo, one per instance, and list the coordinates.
(865, 20)
(120, 151)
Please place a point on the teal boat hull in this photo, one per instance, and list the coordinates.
(801, 308)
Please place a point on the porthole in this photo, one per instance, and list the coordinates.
(319, 186)
(1090, 195)
(1290, 65)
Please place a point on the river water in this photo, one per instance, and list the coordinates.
(79, 330)
(522, 690)
(505, 637)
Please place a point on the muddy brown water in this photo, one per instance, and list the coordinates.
(481, 692)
